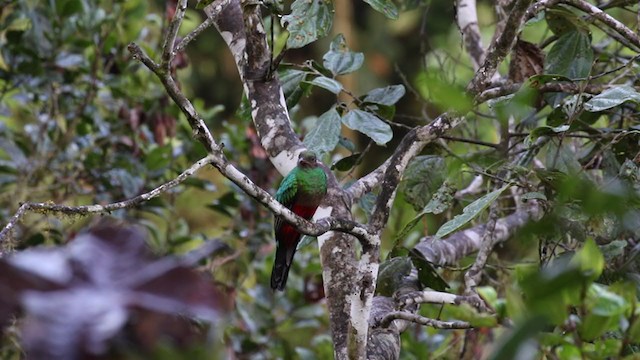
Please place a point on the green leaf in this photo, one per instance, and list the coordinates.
(368, 124)
(340, 60)
(327, 83)
(306, 240)
(542, 131)
(427, 274)
(368, 202)
(290, 80)
(570, 56)
(346, 163)
(469, 212)
(601, 301)
(227, 204)
(533, 195)
(325, 135)
(424, 176)
(386, 7)
(391, 274)
(466, 312)
(611, 98)
(445, 95)
(440, 201)
(309, 20)
(66, 60)
(517, 343)
(158, 158)
(589, 260)
(385, 96)
(68, 7)
(562, 20)
(202, 4)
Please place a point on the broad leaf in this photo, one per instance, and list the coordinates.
(611, 98)
(385, 96)
(346, 163)
(386, 7)
(469, 212)
(325, 135)
(290, 79)
(327, 83)
(427, 274)
(309, 20)
(340, 60)
(603, 302)
(589, 260)
(570, 56)
(368, 124)
(518, 343)
(561, 20)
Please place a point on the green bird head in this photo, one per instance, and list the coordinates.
(307, 159)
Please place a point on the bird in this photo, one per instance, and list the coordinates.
(301, 191)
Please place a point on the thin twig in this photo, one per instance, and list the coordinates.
(172, 32)
(193, 34)
(92, 209)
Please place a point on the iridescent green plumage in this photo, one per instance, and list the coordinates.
(301, 190)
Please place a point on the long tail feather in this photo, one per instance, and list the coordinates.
(281, 266)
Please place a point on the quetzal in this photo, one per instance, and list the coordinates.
(301, 190)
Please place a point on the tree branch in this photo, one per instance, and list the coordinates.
(499, 48)
(92, 209)
(607, 19)
(193, 34)
(172, 32)
(438, 324)
(449, 250)
(429, 297)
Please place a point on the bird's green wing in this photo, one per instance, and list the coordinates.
(286, 194)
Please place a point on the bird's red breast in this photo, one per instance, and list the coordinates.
(288, 235)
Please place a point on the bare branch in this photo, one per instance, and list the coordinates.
(172, 32)
(438, 324)
(92, 209)
(499, 48)
(607, 19)
(193, 34)
(428, 297)
(562, 86)
(200, 130)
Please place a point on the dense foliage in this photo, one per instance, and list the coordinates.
(83, 123)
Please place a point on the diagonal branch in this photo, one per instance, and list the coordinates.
(500, 47)
(606, 19)
(172, 32)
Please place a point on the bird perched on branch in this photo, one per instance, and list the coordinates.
(301, 191)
